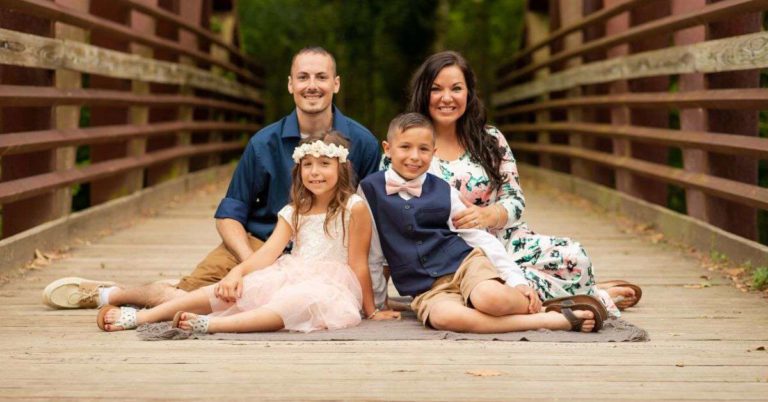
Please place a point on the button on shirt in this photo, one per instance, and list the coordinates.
(261, 184)
(475, 238)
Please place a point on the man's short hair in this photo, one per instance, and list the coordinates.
(407, 121)
(314, 50)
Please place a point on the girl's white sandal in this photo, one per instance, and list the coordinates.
(127, 318)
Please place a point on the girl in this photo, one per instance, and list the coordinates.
(322, 284)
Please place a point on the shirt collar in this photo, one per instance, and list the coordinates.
(392, 175)
(291, 126)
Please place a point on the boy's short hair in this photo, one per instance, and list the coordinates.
(407, 121)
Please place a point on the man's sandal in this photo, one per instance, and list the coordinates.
(199, 324)
(566, 306)
(127, 318)
(621, 302)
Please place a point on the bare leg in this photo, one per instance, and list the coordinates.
(497, 299)
(451, 316)
(196, 301)
(148, 295)
(259, 320)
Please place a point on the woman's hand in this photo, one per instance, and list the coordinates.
(475, 217)
(230, 288)
(534, 303)
(384, 315)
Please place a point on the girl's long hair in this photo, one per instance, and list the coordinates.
(470, 128)
(303, 199)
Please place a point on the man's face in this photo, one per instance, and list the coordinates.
(313, 82)
(411, 151)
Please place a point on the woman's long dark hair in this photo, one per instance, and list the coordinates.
(470, 128)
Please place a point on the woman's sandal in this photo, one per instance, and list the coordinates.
(127, 318)
(621, 302)
(199, 324)
(566, 306)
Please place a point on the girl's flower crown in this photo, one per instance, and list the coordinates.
(318, 149)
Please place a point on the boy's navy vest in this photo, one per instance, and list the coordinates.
(414, 234)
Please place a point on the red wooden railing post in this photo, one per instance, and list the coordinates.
(730, 216)
(120, 185)
(695, 119)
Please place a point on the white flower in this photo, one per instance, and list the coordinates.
(318, 149)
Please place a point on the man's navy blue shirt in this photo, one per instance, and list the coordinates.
(261, 184)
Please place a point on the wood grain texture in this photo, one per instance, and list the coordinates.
(703, 341)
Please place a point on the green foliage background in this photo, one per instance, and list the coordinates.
(377, 45)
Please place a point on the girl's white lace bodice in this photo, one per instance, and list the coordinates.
(313, 243)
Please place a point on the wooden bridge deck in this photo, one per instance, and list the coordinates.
(705, 342)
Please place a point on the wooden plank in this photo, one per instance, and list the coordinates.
(712, 12)
(24, 96)
(27, 141)
(14, 190)
(159, 13)
(744, 52)
(703, 343)
(716, 142)
(53, 12)
(695, 160)
(571, 27)
(742, 193)
(35, 51)
(726, 99)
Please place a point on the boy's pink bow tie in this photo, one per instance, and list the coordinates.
(412, 187)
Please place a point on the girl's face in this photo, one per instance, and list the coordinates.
(448, 96)
(319, 174)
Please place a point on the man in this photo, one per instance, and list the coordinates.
(259, 189)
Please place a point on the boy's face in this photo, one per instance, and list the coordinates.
(411, 151)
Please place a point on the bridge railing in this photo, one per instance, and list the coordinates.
(659, 99)
(100, 99)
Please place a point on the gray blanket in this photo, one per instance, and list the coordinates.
(614, 330)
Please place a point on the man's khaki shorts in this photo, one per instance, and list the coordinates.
(214, 267)
(456, 287)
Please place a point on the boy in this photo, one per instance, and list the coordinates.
(451, 273)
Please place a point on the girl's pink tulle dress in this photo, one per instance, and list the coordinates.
(312, 288)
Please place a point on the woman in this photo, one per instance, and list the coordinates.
(476, 159)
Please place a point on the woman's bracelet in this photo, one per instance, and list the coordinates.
(370, 317)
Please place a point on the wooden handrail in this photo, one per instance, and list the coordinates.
(168, 16)
(717, 142)
(28, 141)
(29, 50)
(57, 12)
(708, 13)
(23, 96)
(746, 98)
(743, 193)
(592, 19)
(19, 189)
(742, 52)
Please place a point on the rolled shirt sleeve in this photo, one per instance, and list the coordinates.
(246, 184)
(493, 249)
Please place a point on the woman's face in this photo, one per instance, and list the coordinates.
(448, 96)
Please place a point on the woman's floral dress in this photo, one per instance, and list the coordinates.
(554, 266)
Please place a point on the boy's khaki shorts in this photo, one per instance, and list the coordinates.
(214, 267)
(456, 287)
